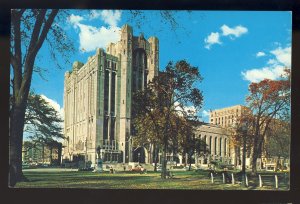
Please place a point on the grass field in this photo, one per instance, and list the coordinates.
(127, 180)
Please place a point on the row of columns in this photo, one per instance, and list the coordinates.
(217, 145)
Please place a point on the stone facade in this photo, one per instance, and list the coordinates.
(217, 141)
(227, 117)
(98, 105)
(98, 97)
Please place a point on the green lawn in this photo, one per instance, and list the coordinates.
(127, 180)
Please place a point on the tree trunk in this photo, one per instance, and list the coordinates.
(43, 153)
(277, 163)
(164, 162)
(22, 76)
(190, 162)
(15, 144)
(256, 153)
(155, 156)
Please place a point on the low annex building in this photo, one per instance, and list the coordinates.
(217, 141)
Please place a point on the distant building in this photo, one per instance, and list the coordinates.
(225, 117)
(217, 141)
(98, 98)
(42, 153)
(228, 117)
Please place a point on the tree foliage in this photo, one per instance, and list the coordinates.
(30, 28)
(278, 139)
(268, 100)
(43, 122)
(164, 104)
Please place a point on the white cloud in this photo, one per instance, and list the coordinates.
(109, 17)
(190, 110)
(257, 75)
(75, 20)
(272, 61)
(236, 31)
(274, 68)
(205, 113)
(260, 54)
(283, 55)
(91, 37)
(213, 38)
(55, 105)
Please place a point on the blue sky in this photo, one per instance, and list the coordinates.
(231, 49)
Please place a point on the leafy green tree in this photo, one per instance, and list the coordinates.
(148, 128)
(167, 97)
(192, 146)
(30, 28)
(43, 122)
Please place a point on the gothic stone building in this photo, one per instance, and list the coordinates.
(98, 97)
(98, 104)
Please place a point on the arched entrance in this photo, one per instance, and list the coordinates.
(140, 155)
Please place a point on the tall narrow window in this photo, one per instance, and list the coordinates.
(112, 94)
(112, 129)
(210, 140)
(106, 91)
(204, 140)
(225, 146)
(220, 145)
(215, 146)
(105, 129)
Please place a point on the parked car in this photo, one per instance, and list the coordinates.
(139, 169)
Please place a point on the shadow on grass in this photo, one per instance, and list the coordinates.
(131, 180)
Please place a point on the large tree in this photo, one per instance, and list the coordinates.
(168, 97)
(148, 130)
(191, 145)
(269, 100)
(43, 124)
(278, 141)
(29, 30)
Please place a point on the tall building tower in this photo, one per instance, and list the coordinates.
(98, 97)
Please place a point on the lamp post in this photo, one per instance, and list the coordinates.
(139, 154)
